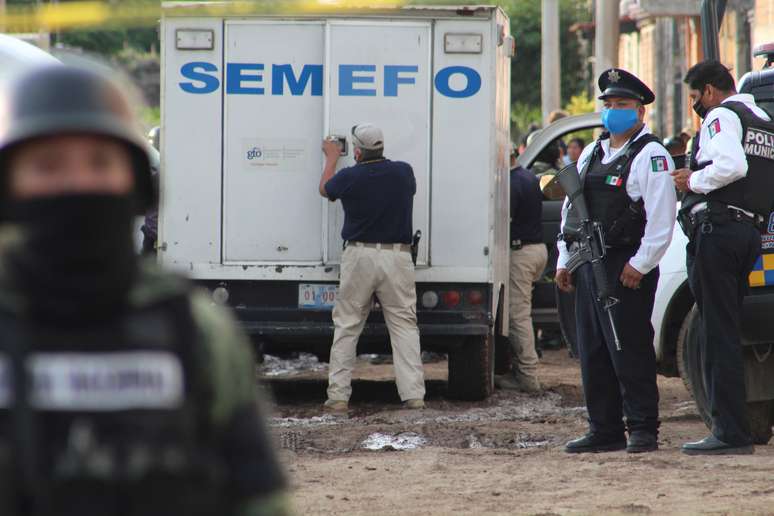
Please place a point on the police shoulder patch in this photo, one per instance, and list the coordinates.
(714, 127)
(659, 164)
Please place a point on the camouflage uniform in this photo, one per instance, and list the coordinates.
(226, 362)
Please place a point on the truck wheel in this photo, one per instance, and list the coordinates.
(761, 419)
(471, 369)
(503, 355)
(691, 368)
(690, 364)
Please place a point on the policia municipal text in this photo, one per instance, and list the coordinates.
(729, 189)
(122, 390)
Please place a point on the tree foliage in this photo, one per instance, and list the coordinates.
(525, 18)
(104, 42)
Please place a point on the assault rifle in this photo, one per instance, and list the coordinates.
(590, 245)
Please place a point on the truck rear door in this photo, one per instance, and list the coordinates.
(380, 72)
(273, 124)
(290, 83)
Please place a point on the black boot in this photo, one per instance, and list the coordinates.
(713, 446)
(595, 443)
(641, 441)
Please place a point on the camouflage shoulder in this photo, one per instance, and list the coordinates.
(154, 284)
(230, 363)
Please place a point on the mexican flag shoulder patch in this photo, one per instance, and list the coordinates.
(658, 164)
(614, 180)
(714, 127)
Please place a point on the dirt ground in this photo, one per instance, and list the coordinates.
(502, 456)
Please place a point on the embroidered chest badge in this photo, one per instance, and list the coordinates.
(614, 180)
(658, 164)
(714, 127)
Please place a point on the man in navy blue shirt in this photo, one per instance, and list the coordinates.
(378, 197)
(528, 261)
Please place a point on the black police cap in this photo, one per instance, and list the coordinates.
(616, 82)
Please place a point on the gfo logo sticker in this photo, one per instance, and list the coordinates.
(254, 153)
(771, 223)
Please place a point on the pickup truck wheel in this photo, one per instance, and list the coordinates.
(471, 369)
(690, 364)
(761, 419)
(691, 368)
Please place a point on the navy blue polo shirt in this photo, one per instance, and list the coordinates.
(378, 200)
(526, 207)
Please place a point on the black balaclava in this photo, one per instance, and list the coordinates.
(74, 262)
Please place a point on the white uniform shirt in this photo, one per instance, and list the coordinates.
(720, 141)
(654, 187)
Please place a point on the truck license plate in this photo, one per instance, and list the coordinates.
(316, 297)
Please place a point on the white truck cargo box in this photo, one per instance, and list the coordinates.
(246, 103)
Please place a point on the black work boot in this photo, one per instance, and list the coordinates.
(713, 446)
(596, 443)
(641, 441)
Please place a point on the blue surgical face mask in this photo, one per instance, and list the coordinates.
(619, 121)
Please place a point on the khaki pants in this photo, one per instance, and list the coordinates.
(527, 265)
(388, 273)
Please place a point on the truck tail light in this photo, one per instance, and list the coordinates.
(429, 299)
(451, 298)
(475, 297)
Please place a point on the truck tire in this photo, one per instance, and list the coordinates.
(691, 368)
(761, 419)
(471, 369)
(503, 355)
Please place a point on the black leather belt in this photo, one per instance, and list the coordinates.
(733, 214)
(716, 214)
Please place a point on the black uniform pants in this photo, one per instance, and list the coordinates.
(720, 257)
(618, 383)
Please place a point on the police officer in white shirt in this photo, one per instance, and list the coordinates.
(628, 189)
(729, 189)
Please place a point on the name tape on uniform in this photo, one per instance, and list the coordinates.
(759, 143)
(108, 381)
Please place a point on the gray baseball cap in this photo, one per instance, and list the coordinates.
(368, 137)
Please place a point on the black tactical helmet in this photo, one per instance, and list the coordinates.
(55, 100)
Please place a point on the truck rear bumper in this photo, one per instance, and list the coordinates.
(277, 329)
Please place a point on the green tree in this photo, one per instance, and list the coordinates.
(525, 27)
(525, 18)
(104, 42)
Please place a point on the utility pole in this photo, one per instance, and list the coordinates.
(606, 17)
(550, 60)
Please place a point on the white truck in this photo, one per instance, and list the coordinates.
(246, 103)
